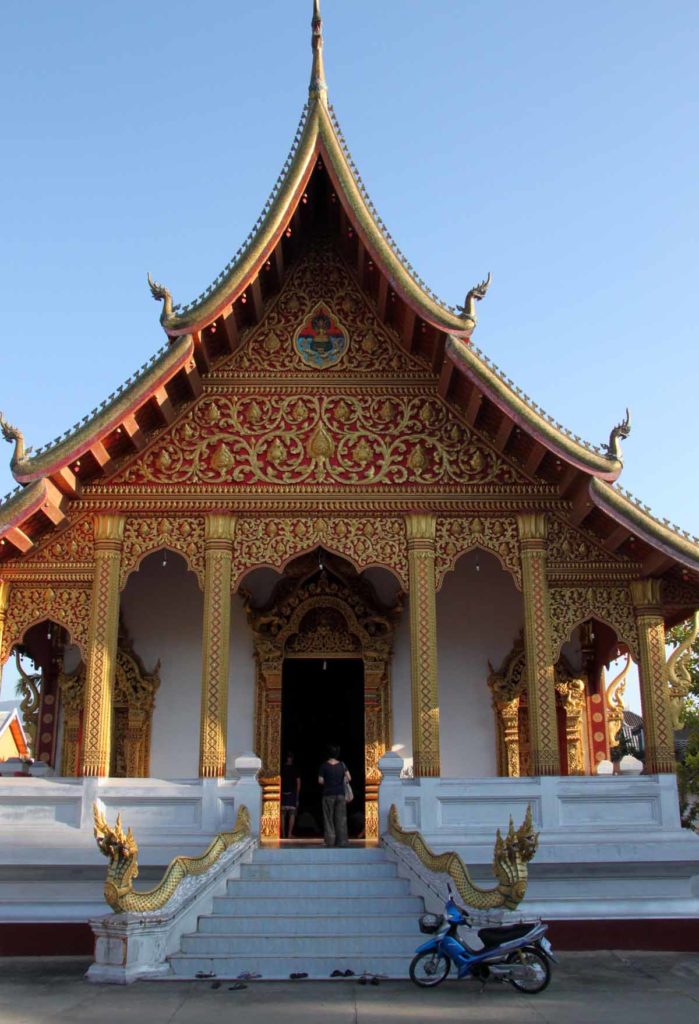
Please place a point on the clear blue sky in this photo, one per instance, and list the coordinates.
(552, 143)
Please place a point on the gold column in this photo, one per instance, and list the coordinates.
(268, 731)
(655, 694)
(220, 529)
(102, 644)
(543, 732)
(507, 713)
(423, 643)
(4, 601)
(374, 747)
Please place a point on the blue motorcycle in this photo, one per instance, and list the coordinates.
(519, 954)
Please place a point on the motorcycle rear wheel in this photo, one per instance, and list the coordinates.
(539, 966)
(429, 969)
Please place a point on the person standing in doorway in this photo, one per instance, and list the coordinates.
(291, 788)
(332, 776)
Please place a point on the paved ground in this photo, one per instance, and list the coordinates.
(587, 988)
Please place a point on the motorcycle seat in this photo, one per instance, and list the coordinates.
(495, 936)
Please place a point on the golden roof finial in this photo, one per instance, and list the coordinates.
(318, 88)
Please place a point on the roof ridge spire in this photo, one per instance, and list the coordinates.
(318, 89)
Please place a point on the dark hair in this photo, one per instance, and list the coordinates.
(333, 751)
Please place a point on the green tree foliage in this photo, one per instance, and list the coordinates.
(688, 766)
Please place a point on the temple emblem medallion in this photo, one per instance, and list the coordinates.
(321, 340)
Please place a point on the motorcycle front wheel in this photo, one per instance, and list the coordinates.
(538, 970)
(429, 969)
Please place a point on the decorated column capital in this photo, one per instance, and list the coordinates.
(533, 529)
(219, 532)
(219, 529)
(652, 670)
(646, 596)
(420, 532)
(545, 758)
(109, 531)
(102, 644)
(420, 527)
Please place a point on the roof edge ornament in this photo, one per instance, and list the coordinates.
(468, 310)
(318, 88)
(13, 434)
(618, 433)
(162, 294)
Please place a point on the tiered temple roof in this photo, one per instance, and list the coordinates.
(319, 182)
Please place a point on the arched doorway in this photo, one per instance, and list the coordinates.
(323, 613)
(323, 704)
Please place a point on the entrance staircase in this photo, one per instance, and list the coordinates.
(307, 911)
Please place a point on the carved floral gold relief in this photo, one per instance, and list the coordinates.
(566, 544)
(320, 279)
(146, 534)
(70, 548)
(498, 534)
(67, 606)
(571, 606)
(364, 541)
(264, 437)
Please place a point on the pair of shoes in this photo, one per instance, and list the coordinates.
(297, 975)
(248, 976)
(368, 980)
(205, 974)
(237, 987)
(342, 974)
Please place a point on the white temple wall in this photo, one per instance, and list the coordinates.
(241, 685)
(163, 610)
(479, 614)
(401, 688)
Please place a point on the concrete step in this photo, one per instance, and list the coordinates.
(313, 924)
(278, 968)
(320, 855)
(312, 888)
(339, 907)
(303, 870)
(322, 943)
(307, 910)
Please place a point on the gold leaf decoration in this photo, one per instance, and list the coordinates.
(222, 459)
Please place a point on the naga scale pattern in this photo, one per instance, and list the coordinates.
(510, 858)
(122, 850)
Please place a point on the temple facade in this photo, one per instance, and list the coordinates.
(319, 513)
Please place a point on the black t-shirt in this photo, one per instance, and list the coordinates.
(289, 778)
(334, 777)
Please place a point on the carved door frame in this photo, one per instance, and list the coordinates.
(298, 630)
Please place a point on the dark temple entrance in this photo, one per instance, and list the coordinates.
(323, 703)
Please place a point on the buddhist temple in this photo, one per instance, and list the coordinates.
(319, 512)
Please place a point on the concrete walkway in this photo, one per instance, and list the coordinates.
(587, 988)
